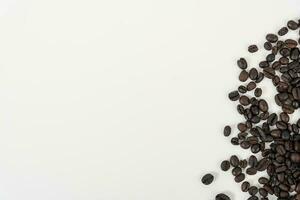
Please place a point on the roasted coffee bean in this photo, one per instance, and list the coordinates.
(263, 105)
(296, 93)
(253, 198)
(239, 178)
(258, 92)
(235, 141)
(243, 76)
(236, 171)
(244, 100)
(245, 186)
(252, 48)
(253, 74)
(234, 95)
(222, 196)
(255, 148)
(253, 190)
(283, 31)
(251, 86)
(227, 131)
(268, 46)
(251, 171)
(225, 165)
(207, 179)
(242, 63)
(284, 117)
(295, 54)
(263, 64)
(271, 38)
(292, 25)
(252, 161)
(270, 57)
(243, 164)
(272, 119)
(263, 192)
(295, 157)
(242, 89)
(260, 77)
(263, 180)
(269, 72)
(242, 127)
(234, 161)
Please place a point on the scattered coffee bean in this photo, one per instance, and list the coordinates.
(283, 31)
(222, 196)
(252, 48)
(242, 63)
(225, 165)
(292, 25)
(207, 179)
(227, 131)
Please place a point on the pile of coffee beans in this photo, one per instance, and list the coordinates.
(272, 138)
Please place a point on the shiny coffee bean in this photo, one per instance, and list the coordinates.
(207, 179)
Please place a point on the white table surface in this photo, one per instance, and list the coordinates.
(123, 100)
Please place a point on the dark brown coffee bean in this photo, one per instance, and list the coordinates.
(243, 163)
(283, 60)
(239, 178)
(252, 161)
(263, 192)
(253, 190)
(281, 125)
(296, 93)
(234, 161)
(292, 25)
(258, 92)
(245, 144)
(243, 76)
(207, 179)
(268, 46)
(295, 54)
(263, 180)
(255, 148)
(253, 74)
(251, 171)
(251, 86)
(242, 127)
(227, 131)
(260, 77)
(283, 31)
(289, 43)
(284, 117)
(242, 89)
(252, 48)
(235, 141)
(244, 100)
(222, 196)
(245, 186)
(263, 105)
(262, 164)
(272, 119)
(271, 38)
(253, 198)
(269, 72)
(263, 64)
(242, 63)
(234, 95)
(295, 157)
(225, 165)
(270, 57)
(236, 171)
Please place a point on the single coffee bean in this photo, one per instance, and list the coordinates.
(207, 179)
(253, 74)
(234, 161)
(253, 190)
(244, 100)
(283, 31)
(225, 165)
(252, 161)
(235, 141)
(242, 63)
(263, 180)
(242, 89)
(239, 178)
(251, 171)
(271, 38)
(263, 105)
(272, 119)
(258, 92)
(263, 64)
(227, 131)
(252, 48)
(284, 117)
(245, 186)
(292, 25)
(243, 163)
(295, 157)
(243, 76)
(268, 46)
(263, 192)
(234, 95)
(251, 86)
(270, 57)
(222, 196)
(253, 198)
(289, 43)
(236, 171)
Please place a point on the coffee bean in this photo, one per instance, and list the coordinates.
(236, 171)
(292, 25)
(243, 163)
(260, 77)
(253, 190)
(251, 171)
(284, 117)
(271, 38)
(258, 92)
(263, 105)
(222, 196)
(268, 46)
(270, 57)
(251, 86)
(244, 100)
(263, 180)
(245, 186)
(295, 157)
(253, 198)
(252, 48)
(235, 141)
(296, 93)
(239, 178)
(242, 63)
(243, 76)
(263, 64)
(295, 54)
(289, 43)
(234, 95)
(207, 179)
(283, 31)
(272, 119)
(227, 131)
(252, 161)
(225, 165)
(234, 161)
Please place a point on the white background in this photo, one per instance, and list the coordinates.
(123, 99)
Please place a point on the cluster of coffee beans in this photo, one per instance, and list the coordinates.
(272, 137)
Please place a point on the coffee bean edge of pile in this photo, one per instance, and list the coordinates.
(272, 139)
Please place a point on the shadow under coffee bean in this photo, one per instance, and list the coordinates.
(273, 140)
